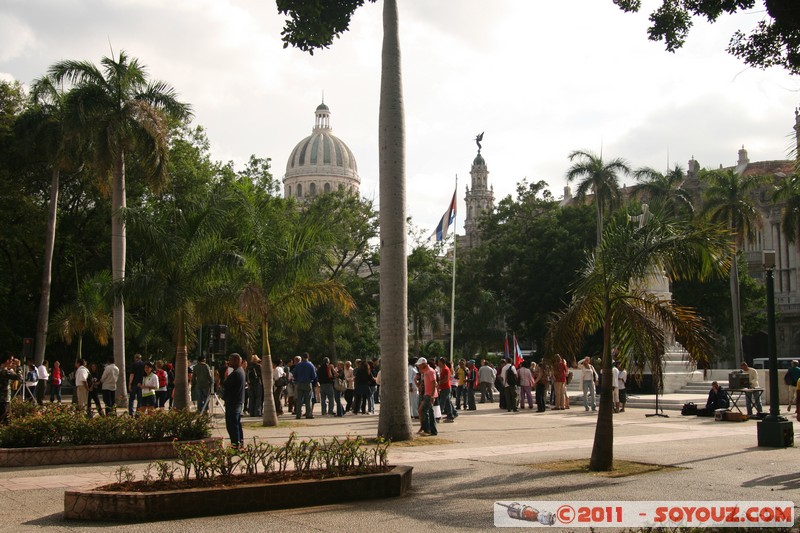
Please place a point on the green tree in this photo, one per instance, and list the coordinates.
(608, 297)
(598, 178)
(728, 199)
(47, 139)
(530, 284)
(283, 257)
(121, 113)
(429, 283)
(787, 195)
(351, 224)
(186, 275)
(89, 313)
(664, 191)
(774, 42)
(313, 24)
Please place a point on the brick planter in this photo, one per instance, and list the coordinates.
(94, 453)
(190, 503)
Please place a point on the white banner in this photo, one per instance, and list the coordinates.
(643, 514)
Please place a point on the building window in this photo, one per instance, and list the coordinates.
(312, 189)
(327, 188)
(289, 191)
(299, 190)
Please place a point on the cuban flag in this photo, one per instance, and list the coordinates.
(518, 360)
(447, 220)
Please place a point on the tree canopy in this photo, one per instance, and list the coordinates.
(774, 42)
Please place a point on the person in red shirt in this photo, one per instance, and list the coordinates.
(428, 393)
(444, 392)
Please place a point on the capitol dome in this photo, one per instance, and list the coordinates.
(320, 163)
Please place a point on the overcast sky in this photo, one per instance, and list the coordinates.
(540, 78)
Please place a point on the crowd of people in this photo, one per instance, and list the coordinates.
(432, 388)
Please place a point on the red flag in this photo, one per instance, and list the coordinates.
(518, 360)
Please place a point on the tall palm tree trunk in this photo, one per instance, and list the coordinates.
(182, 393)
(599, 208)
(603, 447)
(118, 244)
(269, 417)
(395, 419)
(47, 269)
(735, 311)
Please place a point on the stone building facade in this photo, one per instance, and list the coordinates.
(320, 163)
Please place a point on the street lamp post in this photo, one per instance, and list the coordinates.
(775, 430)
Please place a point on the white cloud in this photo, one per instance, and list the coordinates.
(541, 78)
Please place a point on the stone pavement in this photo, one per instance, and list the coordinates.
(488, 458)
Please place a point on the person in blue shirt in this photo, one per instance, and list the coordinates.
(304, 375)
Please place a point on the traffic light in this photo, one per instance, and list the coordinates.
(27, 348)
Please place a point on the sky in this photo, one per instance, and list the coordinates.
(541, 79)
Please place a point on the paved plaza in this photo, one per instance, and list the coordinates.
(455, 484)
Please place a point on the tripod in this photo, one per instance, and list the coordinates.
(659, 411)
(212, 399)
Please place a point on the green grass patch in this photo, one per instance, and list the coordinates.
(621, 468)
(416, 441)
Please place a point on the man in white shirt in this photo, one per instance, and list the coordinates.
(486, 377)
(622, 385)
(510, 381)
(108, 386)
(615, 384)
(753, 397)
(413, 395)
(279, 381)
(81, 383)
(41, 385)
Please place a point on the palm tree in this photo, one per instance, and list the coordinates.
(121, 113)
(186, 276)
(664, 190)
(313, 25)
(788, 193)
(282, 261)
(43, 127)
(728, 200)
(599, 178)
(89, 313)
(608, 297)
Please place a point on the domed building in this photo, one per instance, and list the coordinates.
(320, 163)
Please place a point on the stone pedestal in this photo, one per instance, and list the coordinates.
(775, 433)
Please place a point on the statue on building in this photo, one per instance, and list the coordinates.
(478, 140)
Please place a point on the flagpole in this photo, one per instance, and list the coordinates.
(453, 292)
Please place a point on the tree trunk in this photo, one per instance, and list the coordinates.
(735, 311)
(118, 201)
(269, 417)
(603, 448)
(599, 208)
(395, 419)
(182, 393)
(47, 268)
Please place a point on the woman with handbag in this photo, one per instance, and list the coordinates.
(340, 387)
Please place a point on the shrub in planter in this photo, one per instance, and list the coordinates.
(198, 465)
(66, 425)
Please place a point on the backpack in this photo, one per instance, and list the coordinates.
(511, 378)
(689, 409)
(32, 376)
(162, 378)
